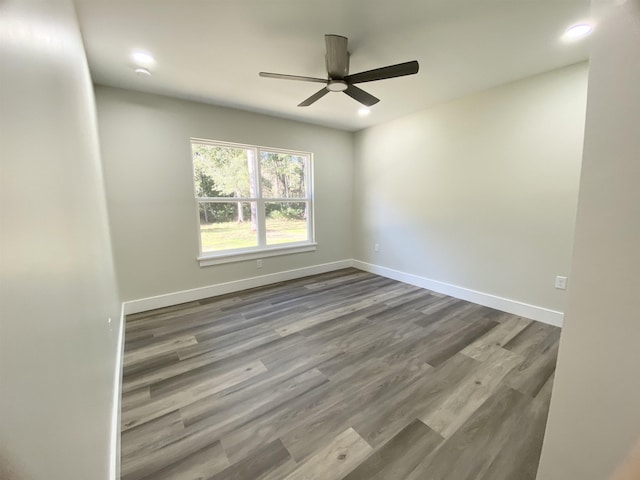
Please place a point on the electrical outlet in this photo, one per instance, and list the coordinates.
(561, 283)
(259, 263)
(376, 247)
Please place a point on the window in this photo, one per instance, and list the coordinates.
(252, 202)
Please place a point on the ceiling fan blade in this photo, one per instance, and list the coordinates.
(392, 71)
(292, 77)
(360, 95)
(313, 98)
(337, 56)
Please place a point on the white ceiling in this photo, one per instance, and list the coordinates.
(212, 50)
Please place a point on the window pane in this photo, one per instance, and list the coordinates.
(286, 222)
(223, 171)
(225, 226)
(283, 175)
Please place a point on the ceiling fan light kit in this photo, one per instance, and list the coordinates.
(337, 86)
(339, 80)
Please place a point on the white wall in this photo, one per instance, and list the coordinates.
(57, 284)
(595, 409)
(148, 170)
(479, 193)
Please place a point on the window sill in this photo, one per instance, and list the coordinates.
(217, 259)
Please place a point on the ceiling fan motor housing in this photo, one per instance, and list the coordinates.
(337, 57)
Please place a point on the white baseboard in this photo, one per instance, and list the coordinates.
(552, 317)
(169, 299)
(114, 473)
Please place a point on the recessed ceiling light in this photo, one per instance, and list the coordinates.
(142, 58)
(364, 111)
(142, 72)
(578, 31)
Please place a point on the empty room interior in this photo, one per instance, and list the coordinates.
(339, 239)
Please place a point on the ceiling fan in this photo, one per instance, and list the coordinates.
(339, 79)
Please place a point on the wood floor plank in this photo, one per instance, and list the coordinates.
(445, 309)
(412, 295)
(157, 349)
(135, 397)
(279, 472)
(173, 368)
(496, 338)
(520, 455)
(299, 351)
(538, 366)
(134, 317)
(203, 323)
(334, 310)
(399, 456)
(261, 465)
(225, 345)
(142, 438)
(451, 344)
(142, 374)
(333, 294)
(335, 460)
(530, 338)
(470, 393)
(366, 334)
(240, 407)
(430, 389)
(304, 439)
(201, 464)
(181, 398)
(334, 327)
(279, 421)
(136, 467)
(166, 450)
(133, 338)
(344, 362)
(469, 453)
(441, 304)
(173, 320)
(498, 316)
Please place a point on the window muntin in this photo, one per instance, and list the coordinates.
(251, 199)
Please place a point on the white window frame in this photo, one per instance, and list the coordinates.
(262, 250)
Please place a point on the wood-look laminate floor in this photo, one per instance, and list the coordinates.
(344, 375)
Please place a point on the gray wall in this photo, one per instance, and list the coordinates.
(149, 176)
(480, 192)
(59, 309)
(595, 409)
